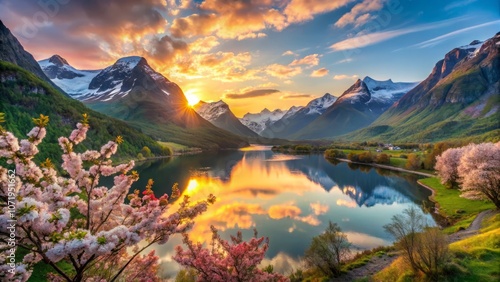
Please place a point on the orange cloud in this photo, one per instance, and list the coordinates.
(310, 60)
(344, 76)
(359, 13)
(282, 211)
(318, 208)
(304, 10)
(282, 71)
(349, 204)
(319, 72)
(194, 25)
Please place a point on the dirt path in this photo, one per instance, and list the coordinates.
(472, 229)
(375, 265)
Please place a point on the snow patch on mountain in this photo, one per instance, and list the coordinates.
(211, 111)
(319, 105)
(259, 121)
(386, 91)
(72, 86)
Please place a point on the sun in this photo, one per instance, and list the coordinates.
(191, 97)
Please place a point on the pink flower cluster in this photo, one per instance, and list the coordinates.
(234, 260)
(73, 218)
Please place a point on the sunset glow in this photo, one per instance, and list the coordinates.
(192, 98)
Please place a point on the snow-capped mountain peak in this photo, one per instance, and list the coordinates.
(319, 105)
(58, 60)
(73, 81)
(259, 121)
(211, 111)
(387, 90)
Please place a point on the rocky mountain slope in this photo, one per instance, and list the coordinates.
(459, 99)
(357, 107)
(259, 121)
(297, 118)
(132, 91)
(219, 114)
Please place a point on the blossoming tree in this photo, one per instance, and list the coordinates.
(70, 217)
(476, 167)
(226, 261)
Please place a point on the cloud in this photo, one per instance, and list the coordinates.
(295, 96)
(310, 60)
(194, 25)
(318, 208)
(344, 76)
(359, 14)
(363, 39)
(282, 71)
(282, 211)
(238, 214)
(319, 72)
(458, 4)
(439, 39)
(221, 66)
(166, 48)
(251, 94)
(288, 53)
(349, 204)
(204, 44)
(303, 10)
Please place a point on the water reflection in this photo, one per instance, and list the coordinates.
(289, 199)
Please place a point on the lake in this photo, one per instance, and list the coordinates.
(288, 198)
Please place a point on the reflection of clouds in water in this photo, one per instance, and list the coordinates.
(283, 263)
(318, 208)
(282, 158)
(282, 211)
(365, 241)
(346, 203)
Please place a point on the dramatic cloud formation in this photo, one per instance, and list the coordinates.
(251, 94)
(359, 14)
(345, 203)
(319, 72)
(344, 76)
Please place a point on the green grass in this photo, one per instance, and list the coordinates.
(176, 147)
(480, 254)
(458, 210)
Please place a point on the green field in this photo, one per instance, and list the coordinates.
(460, 211)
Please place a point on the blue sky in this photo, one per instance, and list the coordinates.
(214, 48)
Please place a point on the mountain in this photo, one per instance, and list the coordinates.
(356, 108)
(132, 91)
(70, 80)
(459, 99)
(297, 118)
(13, 52)
(24, 95)
(259, 121)
(219, 114)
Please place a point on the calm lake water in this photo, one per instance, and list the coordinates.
(289, 199)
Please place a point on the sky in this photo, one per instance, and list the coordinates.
(255, 54)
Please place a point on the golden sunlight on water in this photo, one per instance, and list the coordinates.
(289, 199)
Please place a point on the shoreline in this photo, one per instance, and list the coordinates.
(388, 167)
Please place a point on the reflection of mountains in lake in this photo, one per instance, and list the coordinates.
(368, 189)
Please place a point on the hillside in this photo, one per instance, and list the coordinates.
(25, 96)
(459, 99)
(219, 114)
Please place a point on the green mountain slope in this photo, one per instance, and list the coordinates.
(24, 96)
(459, 99)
